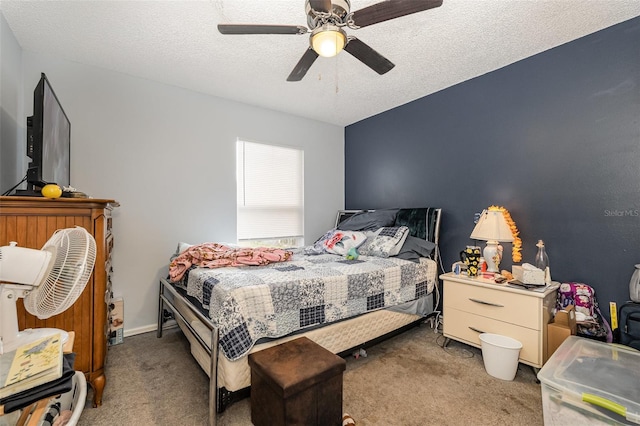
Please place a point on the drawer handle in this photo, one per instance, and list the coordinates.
(476, 330)
(486, 303)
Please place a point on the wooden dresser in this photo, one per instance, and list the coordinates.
(30, 221)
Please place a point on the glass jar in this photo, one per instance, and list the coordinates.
(542, 260)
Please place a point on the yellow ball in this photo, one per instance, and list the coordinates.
(51, 191)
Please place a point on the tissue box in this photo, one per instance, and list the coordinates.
(528, 276)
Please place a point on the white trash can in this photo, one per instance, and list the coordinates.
(500, 355)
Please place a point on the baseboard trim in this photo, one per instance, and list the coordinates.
(148, 328)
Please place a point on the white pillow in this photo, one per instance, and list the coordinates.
(387, 242)
(182, 247)
(342, 241)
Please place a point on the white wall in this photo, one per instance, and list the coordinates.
(167, 155)
(12, 123)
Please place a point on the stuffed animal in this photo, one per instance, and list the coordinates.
(352, 254)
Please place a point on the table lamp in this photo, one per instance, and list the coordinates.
(492, 227)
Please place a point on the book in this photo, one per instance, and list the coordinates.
(30, 365)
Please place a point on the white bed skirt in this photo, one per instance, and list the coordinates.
(338, 337)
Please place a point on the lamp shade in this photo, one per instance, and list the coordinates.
(328, 40)
(492, 226)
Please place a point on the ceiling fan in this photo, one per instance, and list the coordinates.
(326, 20)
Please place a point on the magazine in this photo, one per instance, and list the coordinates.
(31, 365)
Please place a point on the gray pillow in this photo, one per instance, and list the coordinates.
(414, 248)
(369, 221)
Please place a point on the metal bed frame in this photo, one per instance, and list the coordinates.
(216, 403)
(212, 351)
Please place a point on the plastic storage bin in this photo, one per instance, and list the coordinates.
(73, 400)
(588, 382)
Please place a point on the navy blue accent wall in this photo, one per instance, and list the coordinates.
(554, 138)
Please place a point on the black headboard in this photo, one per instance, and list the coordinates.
(423, 222)
(346, 214)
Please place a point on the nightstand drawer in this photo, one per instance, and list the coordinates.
(466, 327)
(497, 304)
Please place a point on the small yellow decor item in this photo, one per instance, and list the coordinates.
(516, 249)
(51, 191)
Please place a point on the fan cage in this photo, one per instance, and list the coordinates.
(73, 256)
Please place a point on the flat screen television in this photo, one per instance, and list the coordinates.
(48, 141)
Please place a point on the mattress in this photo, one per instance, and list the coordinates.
(255, 302)
(337, 337)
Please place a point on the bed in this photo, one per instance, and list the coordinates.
(344, 304)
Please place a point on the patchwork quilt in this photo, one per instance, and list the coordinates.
(251, 302)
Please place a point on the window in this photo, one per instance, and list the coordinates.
(270, 182)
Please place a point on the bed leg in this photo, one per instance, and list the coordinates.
(213, 378)
(224, 399)
(160, 310)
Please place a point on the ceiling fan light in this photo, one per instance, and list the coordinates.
(328, 41)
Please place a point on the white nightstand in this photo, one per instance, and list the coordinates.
(478, 305)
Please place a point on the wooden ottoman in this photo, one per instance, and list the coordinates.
(296, 383)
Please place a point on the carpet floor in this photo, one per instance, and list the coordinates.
(407, 380)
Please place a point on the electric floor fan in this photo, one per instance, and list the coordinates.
(50, 280)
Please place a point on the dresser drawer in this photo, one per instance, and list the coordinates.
(465, 326)
(514, 308)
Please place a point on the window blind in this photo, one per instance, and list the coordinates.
(270, 191)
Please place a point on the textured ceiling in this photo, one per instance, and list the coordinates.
(176, 42)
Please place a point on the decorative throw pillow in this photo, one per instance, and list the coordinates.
(387, 242)
(371, 236)
(342, 241)
(318, 246)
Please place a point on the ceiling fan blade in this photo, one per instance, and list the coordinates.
(303, 65)
(261, 29)
(391, 9)
(320, 5)
(368, 56)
